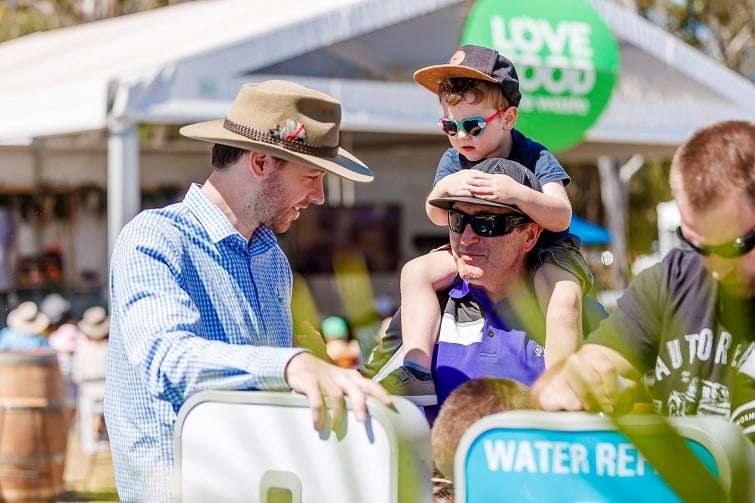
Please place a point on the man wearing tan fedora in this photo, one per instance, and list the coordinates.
(200, 291)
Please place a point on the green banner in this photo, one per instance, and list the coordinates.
(566, 57)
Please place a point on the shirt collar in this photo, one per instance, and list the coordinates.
(463, 289)
(217, 225)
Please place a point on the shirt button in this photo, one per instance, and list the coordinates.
(490, 333)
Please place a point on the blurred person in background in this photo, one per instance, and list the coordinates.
(342, 348)
(63, 336)
(90, 363)
(7, 237)
(466, 405)
(26, 330)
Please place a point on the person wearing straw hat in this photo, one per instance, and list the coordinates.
(90, 364)
(63, 336)
(90, 358)
(26, 328)
(200, 291)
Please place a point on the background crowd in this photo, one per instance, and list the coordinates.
(80, 346)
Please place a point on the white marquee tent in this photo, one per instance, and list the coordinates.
(185, 63)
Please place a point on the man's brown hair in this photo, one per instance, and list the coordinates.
(714, 162)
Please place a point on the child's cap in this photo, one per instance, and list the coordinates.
(474, 62)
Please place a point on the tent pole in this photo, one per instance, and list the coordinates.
(123, 186)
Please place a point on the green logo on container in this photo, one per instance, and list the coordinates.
(566, 57)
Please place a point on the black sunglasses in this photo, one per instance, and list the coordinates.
(733, 249)
(486, 225)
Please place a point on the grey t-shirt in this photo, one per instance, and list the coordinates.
(679, 327)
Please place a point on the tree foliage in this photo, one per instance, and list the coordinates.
(23, 17)
(723, 29)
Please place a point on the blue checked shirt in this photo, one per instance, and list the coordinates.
(194, 306)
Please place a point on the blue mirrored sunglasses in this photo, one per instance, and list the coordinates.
(472, 126)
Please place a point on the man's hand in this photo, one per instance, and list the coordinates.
(327, 385)
(595, 379)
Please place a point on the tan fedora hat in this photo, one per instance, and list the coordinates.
(95, 323)
(286, 120)
(27, 319)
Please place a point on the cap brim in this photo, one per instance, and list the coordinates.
(430, 76)
(447, 203)
(345, 164)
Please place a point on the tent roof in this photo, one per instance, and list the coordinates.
(588, 232)
(185, 63)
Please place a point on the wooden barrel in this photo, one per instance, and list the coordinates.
(33, 426)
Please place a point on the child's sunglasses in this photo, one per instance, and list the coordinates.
(472, 126)
(486, 225)
(733, 249)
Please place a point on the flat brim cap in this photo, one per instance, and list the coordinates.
(474, 62)
(447, 203)
(288, 121)
(493, 165)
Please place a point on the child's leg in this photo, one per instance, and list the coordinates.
(559, 295)
(420, 321)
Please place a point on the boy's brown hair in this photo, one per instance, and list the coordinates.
(465, 405)
(456, 90)
(477, 63)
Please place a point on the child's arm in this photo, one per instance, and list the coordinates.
(550, 208)
(421, 277)
(559, 295)
(457, 184)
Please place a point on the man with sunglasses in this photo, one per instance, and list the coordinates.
(491, 324)
(478, 90)
(684, 330)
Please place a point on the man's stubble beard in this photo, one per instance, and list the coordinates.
(269, 211)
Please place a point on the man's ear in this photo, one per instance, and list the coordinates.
(531, 234)
(509, 118)
(257, 161)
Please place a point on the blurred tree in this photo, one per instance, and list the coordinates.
(23, 17)
(723, 29)
(646, 189)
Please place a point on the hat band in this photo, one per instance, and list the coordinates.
(294, 145)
